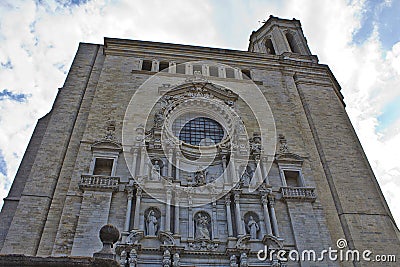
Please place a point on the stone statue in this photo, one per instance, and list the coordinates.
(200, 178)
(243, 260)
(233, 261)
(166, 262)
(156, 171)
(152, 223)
(253, 228)
(159, 118)
(133, 258)
(246, 176)
(202, 227)
(176, 261)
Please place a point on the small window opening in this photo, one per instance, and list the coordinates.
(246, 74)
(230, 73)
(292, 43)
(163, 65)
(103, 166)
(213, 71)
(292, 178)
(181, 68)
(270, 47)
(146, 65)
(197, 68)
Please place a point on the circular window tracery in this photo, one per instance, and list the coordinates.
(198, 130)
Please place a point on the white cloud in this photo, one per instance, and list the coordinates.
(37, 39)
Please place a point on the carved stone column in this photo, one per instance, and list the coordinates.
(168, 212)
(137, 208)
(214, 221)
(273, 216)
(176, 219)
(228, 214)
(233, 173)
(178, 155)
(134, 161)
(170, 154)
(190, 218)
(224, 169)
(267, 220)
(238, 215)
(129, 191)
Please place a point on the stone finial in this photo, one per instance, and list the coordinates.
(109, 234)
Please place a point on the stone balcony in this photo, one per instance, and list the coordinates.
(98, 182)
(298, 193)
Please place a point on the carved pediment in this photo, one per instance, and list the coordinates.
(106, 144)
(166, 238)
(289, 158)
(203, 89)
(272, 242)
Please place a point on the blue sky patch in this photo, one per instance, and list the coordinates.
(390, 113)
(3, 164)
(385, 16)
(6, 94)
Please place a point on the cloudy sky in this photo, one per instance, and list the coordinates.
(359, 40)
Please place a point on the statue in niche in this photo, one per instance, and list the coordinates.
(156, 171)
(152, 223)
(200, 177)
(246, 176)
(202, 224)
(252, 227)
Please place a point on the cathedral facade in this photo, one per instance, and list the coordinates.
(200, 157)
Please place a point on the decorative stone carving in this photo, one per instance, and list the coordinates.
(255, 145)
(166, 262)
(203, 245)
(98, 182)
(123, 260)
(109, 234)
(233, 261)
(151, 223)
(283, 148)
(176, 260)
(133, 258)
(246, 176)
(202, 226)
(252, 227)
(156, 170)
(241, 243)
(244, 260)
(166, 238)
(134, 237)
(298, 193)
(200, 177)
(159, 118)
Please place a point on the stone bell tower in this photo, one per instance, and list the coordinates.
(278, 36)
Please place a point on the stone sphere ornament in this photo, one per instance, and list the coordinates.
(109, 234)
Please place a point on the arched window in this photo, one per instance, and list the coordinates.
(198, 131)
(292, 43)
(270, 47)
